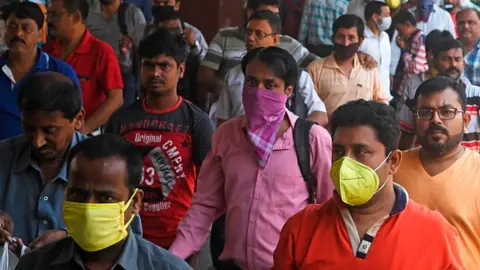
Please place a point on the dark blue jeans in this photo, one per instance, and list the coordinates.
(129, 90)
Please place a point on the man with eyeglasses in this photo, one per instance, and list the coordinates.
(447, 61)
(442, 174)
(24, 21)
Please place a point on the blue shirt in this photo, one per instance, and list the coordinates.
(10, 122)
(34, 205)
(137, 254)
(144, 5)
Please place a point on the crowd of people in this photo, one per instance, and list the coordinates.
(318, 134)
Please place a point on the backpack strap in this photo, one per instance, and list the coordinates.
(301, 138)
(122, 21)
(295, 102)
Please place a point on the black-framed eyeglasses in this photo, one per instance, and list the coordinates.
(258, 34)
(443, 113)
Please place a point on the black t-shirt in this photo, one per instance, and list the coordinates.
(174, 143)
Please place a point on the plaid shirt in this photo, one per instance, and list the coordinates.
(317, 22)
(472, 67)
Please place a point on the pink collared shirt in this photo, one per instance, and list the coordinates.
(258, 202)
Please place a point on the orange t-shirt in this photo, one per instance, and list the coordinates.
(455, 193)
(319, 237)
(44, 26)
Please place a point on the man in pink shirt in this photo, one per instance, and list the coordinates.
(252, 173)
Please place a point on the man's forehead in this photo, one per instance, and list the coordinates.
(468, 15)
(453, 52)
(258, 24)
(437, 99)
(159, 59)
(14, 18)
(347, 31)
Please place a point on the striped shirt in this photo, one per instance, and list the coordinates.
(317, 22)
(471, 137)
(228, 47)
(472, 65)
(415, 60)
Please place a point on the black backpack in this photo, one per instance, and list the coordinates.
(295, 102)
(301, 138)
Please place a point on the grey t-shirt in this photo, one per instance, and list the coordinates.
(108, 30)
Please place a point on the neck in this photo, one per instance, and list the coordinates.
(451, 155)
(23, 61)
(374, 28)
(344, 62)
(72, 41)
(380, 205)
(161, 102)
(110, 10)
(468, 45)
(105, 256)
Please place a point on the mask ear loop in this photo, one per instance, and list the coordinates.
(388, 178)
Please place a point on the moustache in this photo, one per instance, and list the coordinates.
(453, 69)
(17, 39)
(156, 81)
(436, 127)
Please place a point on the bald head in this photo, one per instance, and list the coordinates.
(50, 91)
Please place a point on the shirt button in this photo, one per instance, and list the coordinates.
(45, 222)
(45, 198)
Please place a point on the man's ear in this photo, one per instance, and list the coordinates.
(137, 202)
(289, 90)
(79, 119)
(466, 119)
(276, 39)
(395, 160)
(181, 70)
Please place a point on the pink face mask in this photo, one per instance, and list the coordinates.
(265, 110)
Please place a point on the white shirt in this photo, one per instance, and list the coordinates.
(357, 7)
(379, 48)
(230, 102)
(439, 19)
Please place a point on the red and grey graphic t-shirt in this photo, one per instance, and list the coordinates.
(174, 143)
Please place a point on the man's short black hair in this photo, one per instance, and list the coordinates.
(374, 7)
(378, 116)
(349, 21)
(279, 61)
(24, 10)
(255, 4)
(272, 18)
(440, 84)
(72, 6)
(436, 37)
(107, 146)
(446, 45)
(168, 14)
(403, 17)
(50, 92)
(162, 42)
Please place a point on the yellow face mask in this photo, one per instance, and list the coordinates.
(96, 226)
(356, 183)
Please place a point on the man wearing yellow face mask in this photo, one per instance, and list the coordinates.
(101, 199)
(369, 223)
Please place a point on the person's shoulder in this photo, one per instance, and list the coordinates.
(157, 257)
(13, 145)
(41, 258)
(234, 75)
(312, 213)
(101, 47)
(319, 63)
(195, 29)
(426, 221)
(196, 111)
(229, 125)
(228, 32)
(59, 65)
(124, 112)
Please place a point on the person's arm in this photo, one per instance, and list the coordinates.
(378, 93)
(452, 252)
(416, 59)
(224, 107)
(110, 81)
(203, 49)
(202, 138)
(396, 53)
(320, 162)
(207, 204)
(406, 116)
(207, 76)
(317, 111)
(283, 256)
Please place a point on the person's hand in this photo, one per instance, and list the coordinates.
(126, 43)
(401, 43)
(366, 60)
(6, 228)
(189, 36)
(47, 237)
(16, 247)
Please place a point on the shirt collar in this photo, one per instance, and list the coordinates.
(43, 60)
(368, 32)
(83, 47)
(24, 158)
(127, 259)
(331, 63)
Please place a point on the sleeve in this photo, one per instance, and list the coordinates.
(208, 202)
(405, 114)
(321, 161)
(378, 93)
(310, 97)
(224, 105)
(416, 59)
(137, 17)
(214, 57)
(202, 138)
(313, 70)
(283, 256)
(452, 255)
(108, 71)
(203, 43)
(395, 54)
(147, 10)
(304, 27)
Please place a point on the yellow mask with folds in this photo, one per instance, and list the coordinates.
(96, 226)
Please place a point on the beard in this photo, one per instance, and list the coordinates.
(438, 147)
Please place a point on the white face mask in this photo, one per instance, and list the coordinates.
(385, 23)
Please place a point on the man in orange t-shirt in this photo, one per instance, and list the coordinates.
(369, 223)
(442, 174)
